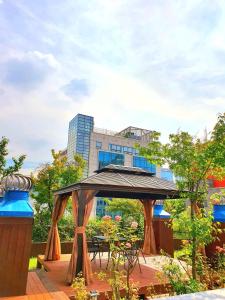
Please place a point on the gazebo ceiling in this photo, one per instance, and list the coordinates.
(125, 182)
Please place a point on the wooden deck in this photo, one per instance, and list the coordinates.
(37, 291)
(57, 271)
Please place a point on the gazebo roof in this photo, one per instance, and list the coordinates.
(125, 182)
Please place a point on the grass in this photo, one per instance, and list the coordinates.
(32, 263)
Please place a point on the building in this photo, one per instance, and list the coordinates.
(101, 147)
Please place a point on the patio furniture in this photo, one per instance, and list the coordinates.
(139, 245)
(94, 248)
(132, 256)
(103, 246)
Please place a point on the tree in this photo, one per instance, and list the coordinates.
(192, 161)
(17, 162)
(51, 177)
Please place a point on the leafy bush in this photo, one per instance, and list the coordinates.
(93, 228)
(181, 282)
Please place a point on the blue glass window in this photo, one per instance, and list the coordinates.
(105, 158)
(135, 151)
(166, 174)
(98, 145)
(113, 147)
(142, 162)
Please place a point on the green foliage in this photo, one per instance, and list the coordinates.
(93, 228)
(174, 206)
(33, 263)
(203, 228)
(17, 162)
(51, 177)
(127, 207)
(179, 283)
(192, 161)
(120, 279)
(80, 289)
(130, 209)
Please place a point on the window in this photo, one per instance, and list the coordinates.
(166, 174)
(98, 145)
(116, 148)
(141, 162)
(106, 158)
(125, 149)
(130, 150)
(135, 151)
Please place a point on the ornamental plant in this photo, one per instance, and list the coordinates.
(80, 290)
(120, 241)
(193, 161)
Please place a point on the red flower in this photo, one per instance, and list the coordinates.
(118, 218)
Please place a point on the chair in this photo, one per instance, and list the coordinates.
(94, 248)
(105, 247)
(139, 245)
(132, 256)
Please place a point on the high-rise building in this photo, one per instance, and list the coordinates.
(101, 147)
(79, 138)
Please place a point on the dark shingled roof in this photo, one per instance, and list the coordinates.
(124, 169)
(125, 182)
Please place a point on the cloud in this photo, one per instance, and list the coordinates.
(76, 87)
(29, 71)
(153, 64)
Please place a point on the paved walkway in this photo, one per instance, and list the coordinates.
(209, 295)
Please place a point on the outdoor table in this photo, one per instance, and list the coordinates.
(130, 254)
(103, 238)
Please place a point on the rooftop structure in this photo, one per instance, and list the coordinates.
(136, 133)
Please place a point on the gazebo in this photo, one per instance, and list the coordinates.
(112, 181)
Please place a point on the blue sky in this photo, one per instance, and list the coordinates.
(156, 64)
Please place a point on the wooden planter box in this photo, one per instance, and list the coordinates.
(15, 246)
(163, 236)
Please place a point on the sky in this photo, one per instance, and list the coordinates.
(155, 64)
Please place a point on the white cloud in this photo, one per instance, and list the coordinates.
(152, 64)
